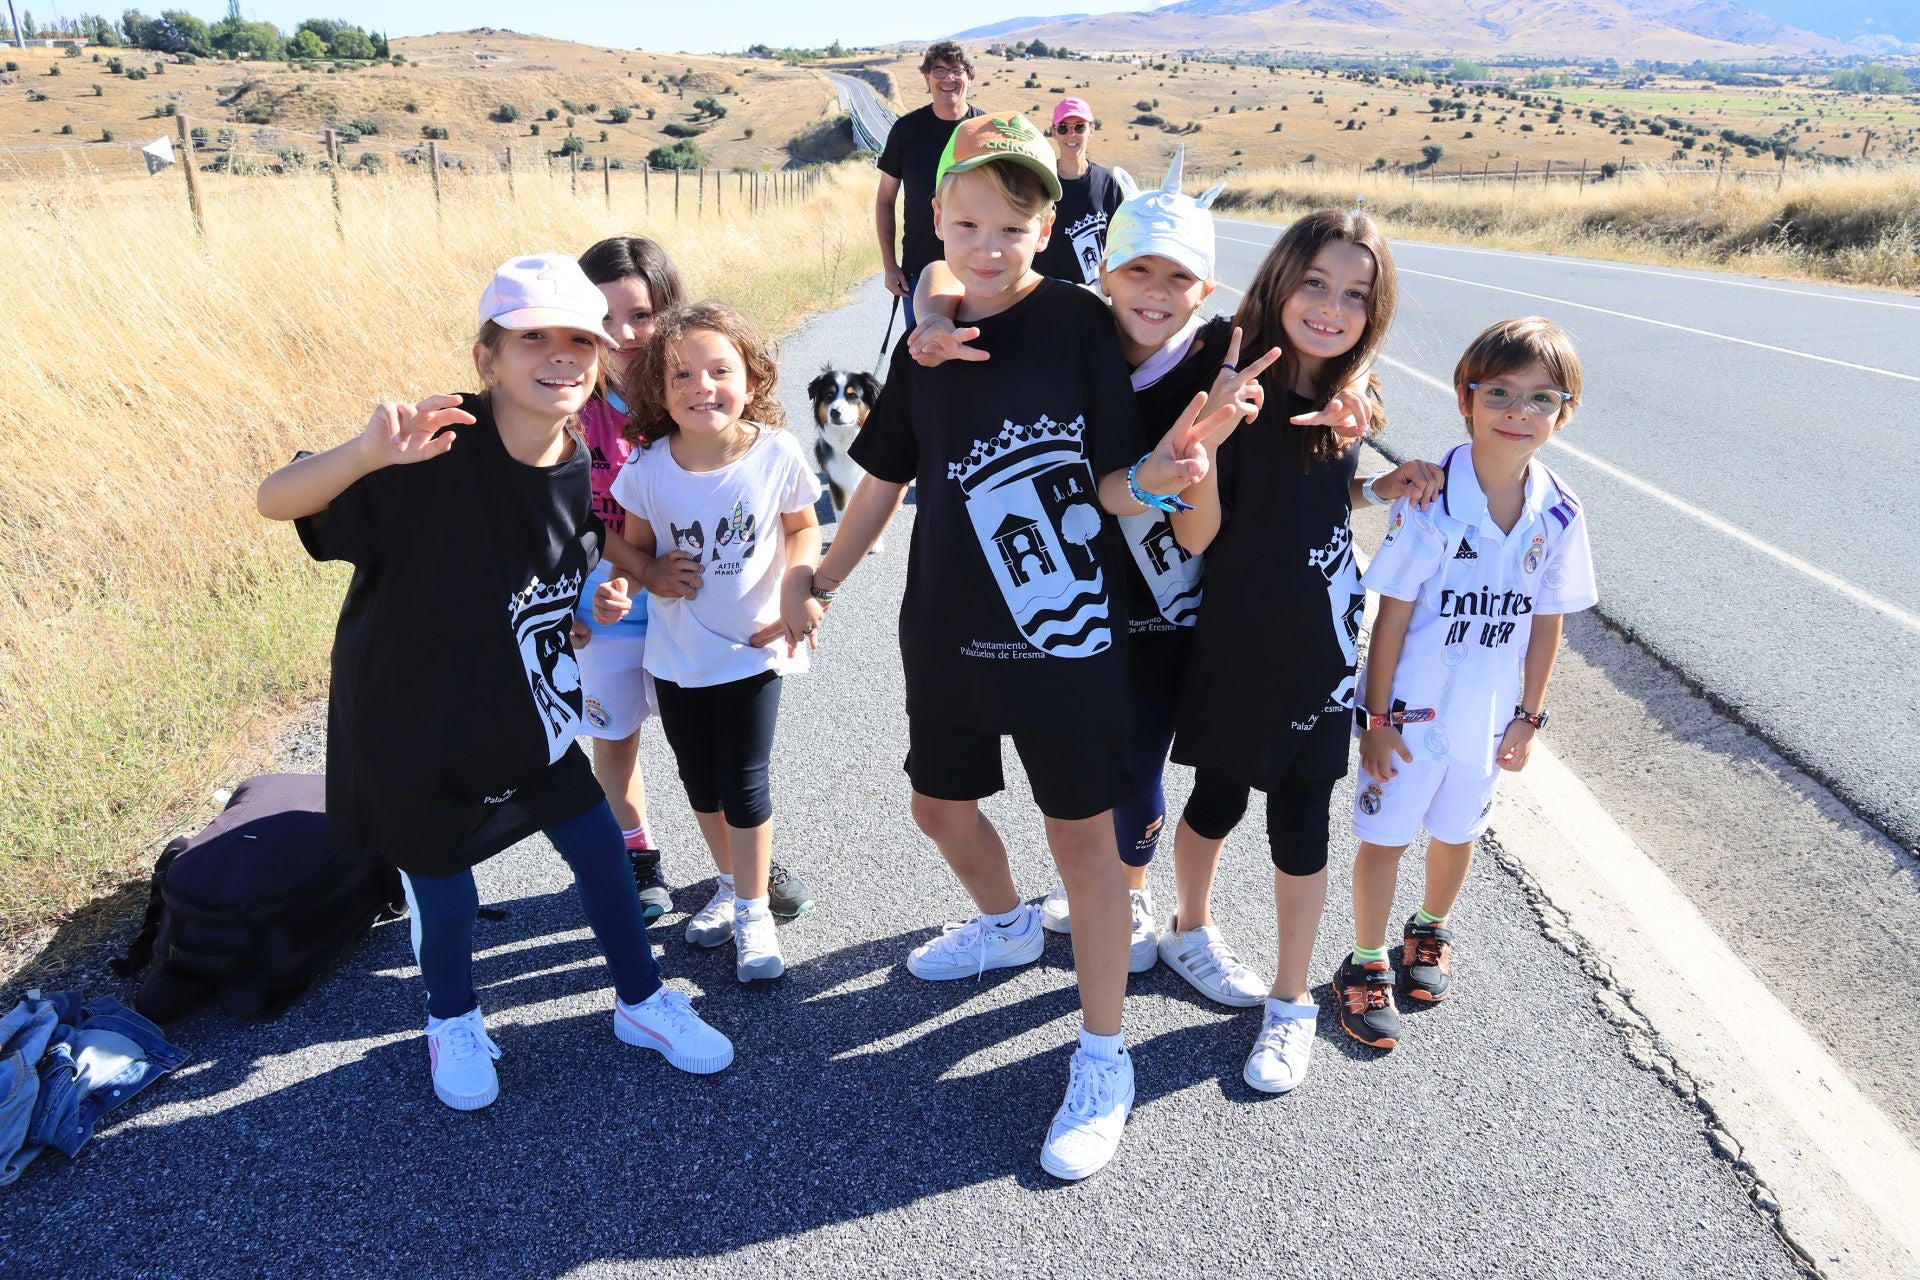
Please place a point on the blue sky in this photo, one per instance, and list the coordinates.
(700, 26)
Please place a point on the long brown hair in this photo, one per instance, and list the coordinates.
(1286, 265)
(645, 386)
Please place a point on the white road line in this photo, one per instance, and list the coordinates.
(1640, 271)
(1765, 548)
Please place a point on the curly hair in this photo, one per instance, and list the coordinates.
(1286, 265)
(645, 386)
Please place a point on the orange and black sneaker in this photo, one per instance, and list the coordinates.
(1425, 955)
(1365, 993)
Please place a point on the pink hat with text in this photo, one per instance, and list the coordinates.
(545, 291)
(1072, 109)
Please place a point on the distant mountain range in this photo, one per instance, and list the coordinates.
(1673, 30)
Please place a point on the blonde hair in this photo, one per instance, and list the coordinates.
(1515, 344)
(1018, 185)
(645, 386)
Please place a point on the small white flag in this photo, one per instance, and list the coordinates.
(159, 154)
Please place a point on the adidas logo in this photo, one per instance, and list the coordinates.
(1466, 551)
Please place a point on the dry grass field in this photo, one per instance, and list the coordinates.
(151, 619)
(455, 82)
(1252, 117)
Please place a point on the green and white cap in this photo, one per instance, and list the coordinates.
(985, 139)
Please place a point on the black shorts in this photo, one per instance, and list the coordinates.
(1073, 775)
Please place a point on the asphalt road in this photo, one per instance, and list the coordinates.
(875, 1124)
(872, 118)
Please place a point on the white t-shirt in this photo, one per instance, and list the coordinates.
(1475, 591)
(730, 518)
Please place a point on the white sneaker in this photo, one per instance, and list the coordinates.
(1086, 1129)
(1202, 957)
(968, 950)
(461, 1056)
(712, 924)
(1055, 917)
(666, 1023)
(1144, 950)
(757, 956)
(1278, 1063)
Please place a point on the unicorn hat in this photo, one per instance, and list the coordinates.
(1163, 222)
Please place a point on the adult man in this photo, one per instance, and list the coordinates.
(911, 156)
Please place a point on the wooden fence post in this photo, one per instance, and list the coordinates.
(1583, 173)
(676, 194)
(573, 164)
(333, 181)
(1516, 175)
(646, 184)
(700, 209)
(606, 183)
(433, 158)
(193, 178)
(512, 196)
(719, 193)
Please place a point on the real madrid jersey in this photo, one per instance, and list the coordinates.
(1476, 590)
(1015, 613)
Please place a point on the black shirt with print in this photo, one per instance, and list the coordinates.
(1270, 690)
(1079, 237)
(455, 699)
(1164, 608)
(1015, 615)
(912, 154)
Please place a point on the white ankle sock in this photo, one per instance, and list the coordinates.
(748, 906)
(1103, 1048)
(726, 882)
(1006, 919)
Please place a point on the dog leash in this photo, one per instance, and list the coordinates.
(887, 337)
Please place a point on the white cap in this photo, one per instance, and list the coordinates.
(1163, 223)
(545, 291)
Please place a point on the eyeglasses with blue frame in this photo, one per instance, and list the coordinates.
(1545, 403)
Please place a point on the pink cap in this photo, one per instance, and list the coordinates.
(545, 291)
(1072, 108)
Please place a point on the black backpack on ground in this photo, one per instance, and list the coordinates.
(250, 909)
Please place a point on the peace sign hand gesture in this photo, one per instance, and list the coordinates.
(1238, 387)
(398, 434)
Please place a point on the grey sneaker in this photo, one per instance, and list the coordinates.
(712, 924)
(1203, 958)
(787, 893)
(757, 946)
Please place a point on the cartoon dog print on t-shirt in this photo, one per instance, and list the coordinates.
(1032, 499)
(542, 615)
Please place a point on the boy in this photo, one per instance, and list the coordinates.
(1472, 596)
(1014, 621)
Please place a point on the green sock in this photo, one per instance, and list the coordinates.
(1367, 955)
(1424, 916)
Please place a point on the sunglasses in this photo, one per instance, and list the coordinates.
(1070, 126)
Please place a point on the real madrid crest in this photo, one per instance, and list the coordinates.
(1370, 799)
(1536, 550)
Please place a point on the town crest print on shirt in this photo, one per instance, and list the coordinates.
(542, 615)
(1347, 602)
(1087, 235)
(1170, 571)
(1031, 498)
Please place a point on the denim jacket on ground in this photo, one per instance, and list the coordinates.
(64, 1065)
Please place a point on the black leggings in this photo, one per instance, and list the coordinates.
(1297, 817)
(722, 739)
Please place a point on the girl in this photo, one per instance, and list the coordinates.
(1269, 697)
(442, 758)
(720, 507)
(1089, 196)
(638, 281)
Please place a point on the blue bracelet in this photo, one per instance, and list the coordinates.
(1166, 502)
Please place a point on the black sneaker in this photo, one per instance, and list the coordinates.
(655, 899)
(1365, 993)
(787, 893)
(1425, 956)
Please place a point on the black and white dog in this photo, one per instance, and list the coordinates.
(841, 402)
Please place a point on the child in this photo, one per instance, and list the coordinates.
(1270, 689)
(720, 500)
(1089, 196)
(1157, 273)
(638, 281)
(1472, 599)
(442, 756)
(1013, 622)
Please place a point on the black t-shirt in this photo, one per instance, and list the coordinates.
(1079, 237)
(1164, 580)
(912, 155)
(455, 698)
(1270, 688)
(1015, 612)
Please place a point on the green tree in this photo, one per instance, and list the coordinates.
(681, 155)
(351, 43)
(305, 45)
(506, 113)
(248, 39)
(27, 25)
(1431, 153)
(620, 115)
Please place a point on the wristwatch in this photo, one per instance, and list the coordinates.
(1372, 494)
(1538, 722)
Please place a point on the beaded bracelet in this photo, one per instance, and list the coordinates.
(1166, 502)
